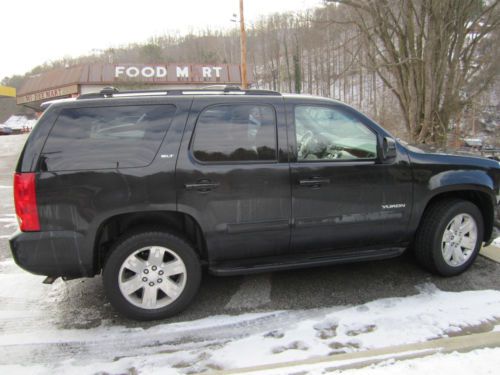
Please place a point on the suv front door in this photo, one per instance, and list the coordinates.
(343, 196)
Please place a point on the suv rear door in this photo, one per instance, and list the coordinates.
(342, 195)
(232, 175)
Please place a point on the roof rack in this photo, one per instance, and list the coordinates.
(112, 92)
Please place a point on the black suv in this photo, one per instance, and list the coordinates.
(148, 187)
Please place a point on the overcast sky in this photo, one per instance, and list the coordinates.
(35, 31)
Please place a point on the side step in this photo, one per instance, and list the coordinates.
(251, 266)
(49, 280)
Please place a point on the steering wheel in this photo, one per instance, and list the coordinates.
(305, 141)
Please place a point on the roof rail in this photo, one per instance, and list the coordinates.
(110, 92)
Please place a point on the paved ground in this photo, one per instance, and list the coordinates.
(82, 303)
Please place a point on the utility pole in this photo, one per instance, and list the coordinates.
(473, 119)
(243, 44)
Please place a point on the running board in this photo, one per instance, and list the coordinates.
(250, 266)
(49, 280)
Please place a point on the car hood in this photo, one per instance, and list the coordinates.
(435, 154)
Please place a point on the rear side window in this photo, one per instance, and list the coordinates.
(106, 137)
(232, 133)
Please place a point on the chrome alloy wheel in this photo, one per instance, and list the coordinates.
(459, 240)
(152, 277)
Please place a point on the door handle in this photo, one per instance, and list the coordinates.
(314, 182)
(202, 185)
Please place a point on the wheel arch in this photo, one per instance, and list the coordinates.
(479, 195)
(116, 226)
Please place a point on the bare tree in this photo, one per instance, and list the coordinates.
(434, 55)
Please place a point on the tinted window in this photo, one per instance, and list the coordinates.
(325, 133)
(235, 133)
(106, 137)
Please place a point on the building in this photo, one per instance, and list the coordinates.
(86, 78)
(7, 92)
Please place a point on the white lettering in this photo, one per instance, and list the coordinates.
(161, 72)
(207, 72)
(148, 72)
(182, 72)
(132, 71)
(217, 71)
(390, 206)
(145, 71)
(119, 70)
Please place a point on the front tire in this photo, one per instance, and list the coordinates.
(449, 237)
(151, 275)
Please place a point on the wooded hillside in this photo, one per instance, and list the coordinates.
(417, 66)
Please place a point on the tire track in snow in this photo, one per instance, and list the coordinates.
(106, 343)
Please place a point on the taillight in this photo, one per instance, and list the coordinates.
(25, 201)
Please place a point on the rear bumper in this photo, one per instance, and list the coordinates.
(52, 253)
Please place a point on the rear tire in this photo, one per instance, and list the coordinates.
(449, 237)
(151, 275)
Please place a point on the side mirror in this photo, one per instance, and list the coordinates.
(388, 148)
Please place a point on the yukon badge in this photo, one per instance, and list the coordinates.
(391, 206)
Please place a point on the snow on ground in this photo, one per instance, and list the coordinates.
(10, 145)
(496, 242)
(223, 342)
(8, 221)
(484, 361)
(19, 122)
(430, 314)
(477, 362)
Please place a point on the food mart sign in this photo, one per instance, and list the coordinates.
(72, 80)
(176, 73)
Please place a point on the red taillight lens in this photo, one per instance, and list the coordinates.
(25, 201)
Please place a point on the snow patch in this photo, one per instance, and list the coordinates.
(16, 122)
(224, 341)
(482, 361)
(392, 321)
(496, 242)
